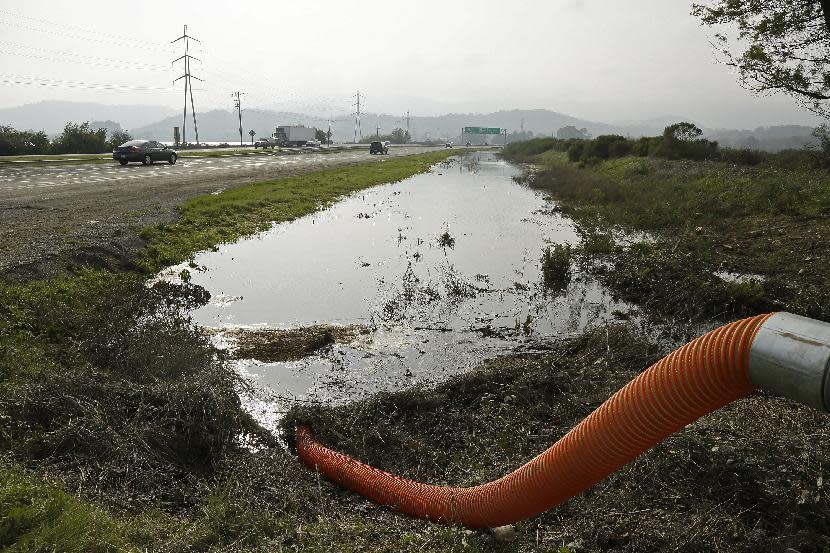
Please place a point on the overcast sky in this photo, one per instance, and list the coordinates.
(603, 60)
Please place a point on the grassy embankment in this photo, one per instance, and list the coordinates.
(766, 224)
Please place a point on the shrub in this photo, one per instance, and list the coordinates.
(576, 150)
(556, 267)
(80, 139)
(743, 156)
(125, 391)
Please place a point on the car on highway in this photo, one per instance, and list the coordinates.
(378, 147)
(145, 151)
(313, 144)
(268, 142)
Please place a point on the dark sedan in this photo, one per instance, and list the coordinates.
(378, 147)
(145, 151)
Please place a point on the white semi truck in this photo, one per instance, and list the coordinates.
(298, 135)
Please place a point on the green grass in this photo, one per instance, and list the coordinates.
(655, 194)
(702, 217)
(38, 517)
(210, 220)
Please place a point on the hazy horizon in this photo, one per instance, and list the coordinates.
(591, 59)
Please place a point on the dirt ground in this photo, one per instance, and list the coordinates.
(58, 218)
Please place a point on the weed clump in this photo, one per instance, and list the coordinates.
(556, 267)
(117, 390)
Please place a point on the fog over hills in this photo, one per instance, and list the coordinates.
(220, 125)
(52, 115)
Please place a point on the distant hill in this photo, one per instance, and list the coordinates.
(221, 125)
(771, 139)
(51, 116)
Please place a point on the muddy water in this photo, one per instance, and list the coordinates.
(444, 268)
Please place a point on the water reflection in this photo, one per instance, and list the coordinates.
(443, 266)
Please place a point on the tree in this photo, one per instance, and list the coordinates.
(14, 142)
(321, 136)
(572, 132)
(685, 132)
(680, 141)
(118, 138)
(80, 139)
(780, 46)
(399, 136)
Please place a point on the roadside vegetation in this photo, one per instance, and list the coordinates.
(693, 236)
(76, 138)
(397, 136)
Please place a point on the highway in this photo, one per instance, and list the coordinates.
(93, 209)
(40, 181)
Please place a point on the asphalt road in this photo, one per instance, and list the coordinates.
(55, 215)
(42, 181)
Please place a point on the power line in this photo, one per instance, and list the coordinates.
(187, 83)
(65, 34)
(62, 83)
(107, 37)
(117, 64)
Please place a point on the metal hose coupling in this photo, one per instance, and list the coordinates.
(783, 353)
(790, 356)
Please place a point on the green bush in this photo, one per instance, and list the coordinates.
(576, 150)
(742, 156)
(14, 142)
(556, 267)
(80, 139)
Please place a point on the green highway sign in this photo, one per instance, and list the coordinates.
(482, 130)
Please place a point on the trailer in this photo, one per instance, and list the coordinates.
(297, 135)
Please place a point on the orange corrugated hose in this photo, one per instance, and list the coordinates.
(690, 382)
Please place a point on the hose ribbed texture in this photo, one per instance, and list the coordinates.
(694, 380)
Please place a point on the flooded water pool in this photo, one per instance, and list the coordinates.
(443, 268)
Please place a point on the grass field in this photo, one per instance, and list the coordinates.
(726, 240)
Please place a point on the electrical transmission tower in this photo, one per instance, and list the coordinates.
(237, 103)
(188, 84)
(357, 130)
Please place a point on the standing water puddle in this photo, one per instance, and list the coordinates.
(443, 268)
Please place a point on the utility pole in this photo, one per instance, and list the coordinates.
(357, 130)
(328, 134)
(523, 124)
(377, 131)
(187, 82)
(407, 123)
(237, 103)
